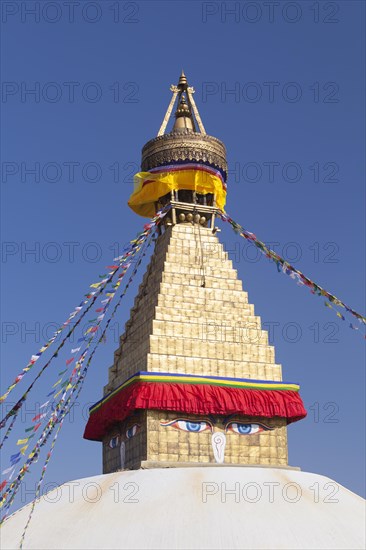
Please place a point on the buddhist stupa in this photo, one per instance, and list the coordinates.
(193, 419)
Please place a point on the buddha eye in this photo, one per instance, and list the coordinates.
(246, 429)
(130, 432)
(113, 442)
(188, 425)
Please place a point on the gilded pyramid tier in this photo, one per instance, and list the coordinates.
(182, 326)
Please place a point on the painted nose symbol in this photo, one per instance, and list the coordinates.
(218, 446)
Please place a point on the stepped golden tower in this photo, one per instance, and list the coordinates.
(194, 380)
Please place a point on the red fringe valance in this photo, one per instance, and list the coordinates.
(193, 399)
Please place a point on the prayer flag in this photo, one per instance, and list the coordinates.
(7, 471)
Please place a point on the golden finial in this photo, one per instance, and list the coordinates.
(183, 116)
(182, 83)
(183, 108)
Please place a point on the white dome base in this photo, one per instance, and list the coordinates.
(193, 508)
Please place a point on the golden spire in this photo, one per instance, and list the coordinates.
(187, 112)
(187, 140)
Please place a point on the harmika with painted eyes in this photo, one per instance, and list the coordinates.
(218, 438)
(119, 440)
(221, 428)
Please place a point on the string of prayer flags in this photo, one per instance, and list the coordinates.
(61, 408)
(19, 404)
(40, 481)
(34, 358)
(49, 454)
(100, 286)
(78, 375)
(59, 381)
(125, 266)
(43, 349)
(33, 456)
(295, 274)
(60, 424)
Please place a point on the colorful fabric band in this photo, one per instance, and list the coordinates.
(150, 186)
(192, 394)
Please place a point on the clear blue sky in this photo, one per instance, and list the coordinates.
(294, 131)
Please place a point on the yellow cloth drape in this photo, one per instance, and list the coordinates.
(149, 187)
